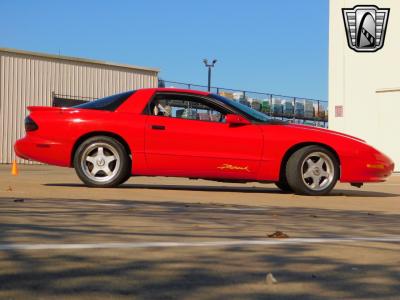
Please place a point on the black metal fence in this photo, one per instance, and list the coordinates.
(294, 109)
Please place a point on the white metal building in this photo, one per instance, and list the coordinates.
(364, 87)
(28, 78)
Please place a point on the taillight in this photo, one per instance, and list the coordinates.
(30, 125)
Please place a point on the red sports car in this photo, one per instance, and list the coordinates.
(194, 134)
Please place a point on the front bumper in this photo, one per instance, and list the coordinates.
(372, 166)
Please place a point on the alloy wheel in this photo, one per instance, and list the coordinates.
(317, 171)
(100, 162)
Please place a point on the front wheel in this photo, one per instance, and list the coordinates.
(102, 161)
(283, 185)
(312, 170)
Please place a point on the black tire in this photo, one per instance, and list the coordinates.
(283, 185)
(108, 172)
(128, 175)
(312, 170)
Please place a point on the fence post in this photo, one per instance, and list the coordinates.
(271, 111)
(294, 110)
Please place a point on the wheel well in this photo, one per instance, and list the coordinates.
(296, 147)
(98, 133)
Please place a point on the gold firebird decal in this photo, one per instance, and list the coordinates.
(232, 167)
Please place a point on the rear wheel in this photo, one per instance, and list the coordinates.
(102, 161)
(128, 175)
(312, 170)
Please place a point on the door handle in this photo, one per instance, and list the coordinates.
(158, 127)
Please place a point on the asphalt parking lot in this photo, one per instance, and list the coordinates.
(171, 238)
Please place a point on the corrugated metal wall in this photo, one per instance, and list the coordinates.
(30, 80)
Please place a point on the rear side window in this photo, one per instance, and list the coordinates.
(109, 103)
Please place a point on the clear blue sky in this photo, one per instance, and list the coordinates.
(278, 46)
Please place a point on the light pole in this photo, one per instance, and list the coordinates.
(209, 66)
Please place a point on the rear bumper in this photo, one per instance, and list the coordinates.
(38, 149)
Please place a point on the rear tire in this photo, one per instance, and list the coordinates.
(128, 175)
(312, 170)
(102, 161)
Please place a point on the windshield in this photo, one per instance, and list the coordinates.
(248, 111)
(110, 103)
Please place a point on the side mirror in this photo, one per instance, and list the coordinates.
(232, 119)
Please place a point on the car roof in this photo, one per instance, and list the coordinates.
(176, 90)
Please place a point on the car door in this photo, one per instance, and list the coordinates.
(186, 135)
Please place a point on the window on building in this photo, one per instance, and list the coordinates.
(67, 101)
(110, 103)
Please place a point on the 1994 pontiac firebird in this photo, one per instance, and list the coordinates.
(194, 134)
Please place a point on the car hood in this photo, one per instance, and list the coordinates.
(323, 131)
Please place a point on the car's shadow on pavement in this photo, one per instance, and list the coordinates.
(229, 189)
(360, 193)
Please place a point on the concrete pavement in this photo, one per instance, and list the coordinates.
(171, 238)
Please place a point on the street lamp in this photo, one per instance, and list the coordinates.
(209, 66)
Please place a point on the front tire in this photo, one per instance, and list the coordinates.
(312, 170)
(102, 161)
(283, 185)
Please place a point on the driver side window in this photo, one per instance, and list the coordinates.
(186, 107)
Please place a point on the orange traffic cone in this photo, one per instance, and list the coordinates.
(14, 169)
